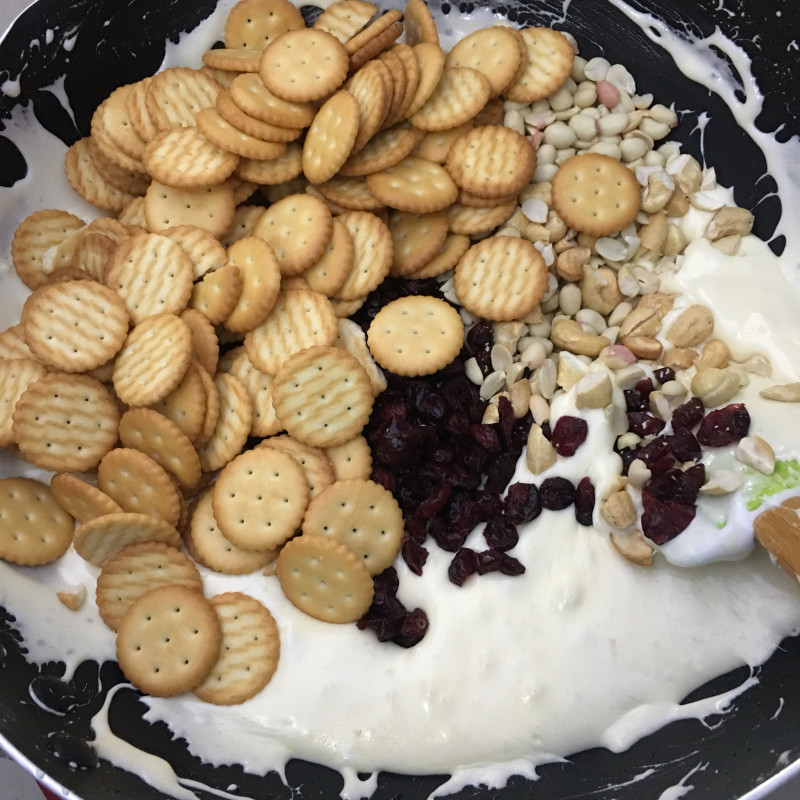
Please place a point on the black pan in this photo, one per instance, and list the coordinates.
(123, 40)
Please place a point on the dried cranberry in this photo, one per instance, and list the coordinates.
(569, 434)
(645, 387)
(685, 446)
(501, 470)
(392, 406)
(450, 539)
(676, 485)
(457, 423)
(556, 493)
(491, 505)
(522, 503)
(664, 374)
(412, 629)
(400, 443)
(501, 534)
(655, 450)
(463, 513)
(662, 520)
(644, 424)
(688, 414)
(584, 502)
(520, 431)
(487, 437)
(662, 465)
(463, 396)
(479, 344)
(506, 422)
(416, 528)
(471, 455)
(464, 564)
(384, 477)
(430, 405)
(634, 401)
(435, 501)
(497, 561)
(724, 426)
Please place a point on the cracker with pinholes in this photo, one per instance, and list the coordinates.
(397, 73)
(255, 23)
(299, 319)
(361, 515)
(92, 254)
(210, 208)
(325, 579)
(259, 499)
(249, 653)
(274, 171)
(135, 570)
(109, 148)
(323, 396)
(138, 484)
(212, 407)
(152, 433)
(133, 214)
(204, 250)
(472, 221)
(224, 77)
(345, 18)
(492, 51)
(175, 96)
(384, 150)
(242, 189)
(416, 335)
(414, 185)
(16, 375)
(449, 254)
(217, 294)
(420, 25)
(491, 161)
(348, 194)
(152, 274)
(298, 228)
(346, 308)
(353, 459)
(65, 422)
(185, 404)
(259, 387)
(206, 544)
(549, 64)
(231, 59)
(86, 180)
(80, 499)
(304, 65)
(252, 96)
(13, 344)
(261, 279)
(234, 420)
(139, 116)
(430, 62)
(185, 158)
(253, 126)
(327, 275)
(219, 131)
(128, 182)
(330, 137)
(75, 326)
(314, 461)
(205, 342)
(168, 641)
(416, 239)
(595, 194)
(97, 539)
(501, 278)
(352, 339)
(372, 254)
(459, 95)
(117, 124)
(154, 358)
(34, 528)
(412, 70)
(244, 220)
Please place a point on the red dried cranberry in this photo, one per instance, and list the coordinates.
(463, 513)
(501, 534)
(663, 521)
(724, 426)
(384, 477)
(464, 564)
(471, 455)
(685, 446)
(634, 401)
(501, 470)
(644, 424)
(461, 395)
(664, 374)
(584, 502)
(400, 443)
(491, 505)
(457, 424)
(688, 414)
(487, 437)
(428, 404)
(414, 554)
(569, 434)
(412, 629)
(497, 561)
(435, 501)
(506, 422)
(522, 503)
(645, 387)
(479, 344)
(556, 493)
(655, 450)
(662, 465)
(416, 528)
(520, 431)
(676, 485)
(446, 537)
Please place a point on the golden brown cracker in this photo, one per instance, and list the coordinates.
(549, 64)
(331, 137)
(97, 539)
(175, 95)
(314, 461)
(80, 499)
(372, 253)
(259, 387)
(420, 25)
(261, 278)
(256, 23)
(233, 423)
(353, 459)
(217, 293)
(327, 275)
(414, 185)
(416, 239)
(209, 208)
(254, 98)
(16, 374)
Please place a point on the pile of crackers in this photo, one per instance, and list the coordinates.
(375, 158)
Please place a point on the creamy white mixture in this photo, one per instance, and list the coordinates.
(585, 649)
